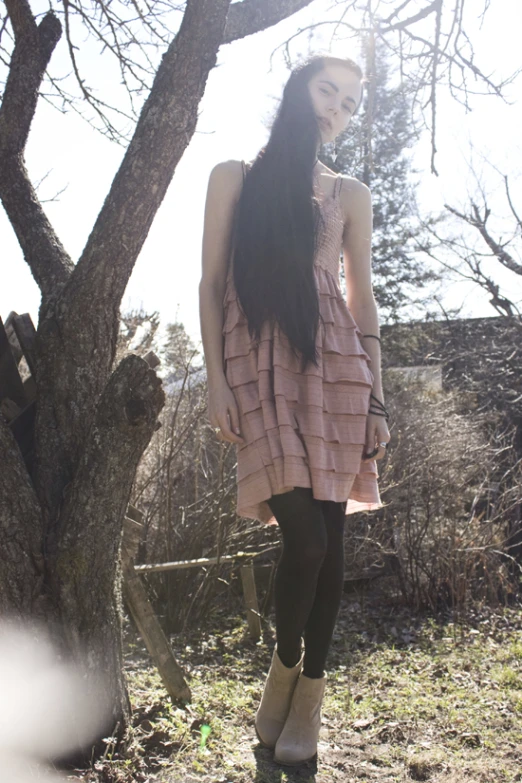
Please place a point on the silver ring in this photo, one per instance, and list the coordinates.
(384, 445)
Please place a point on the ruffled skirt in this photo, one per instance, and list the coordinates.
(300, 429)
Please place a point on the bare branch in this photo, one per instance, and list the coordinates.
(436, 5)
(33, 49)
(21, 17)
(396, 11)
(472, 260)
(103, 110)
(511, 205)
(125, 64)
(251, 16)
(49, 263)
(501, 304)
(479, 221)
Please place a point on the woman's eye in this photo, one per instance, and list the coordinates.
(324, 91)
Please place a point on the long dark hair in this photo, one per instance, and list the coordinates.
(278, 219)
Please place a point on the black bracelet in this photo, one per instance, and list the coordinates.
(372, 335)
(379, 413)
(381, 409)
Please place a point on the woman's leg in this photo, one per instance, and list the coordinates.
(300, 517)
(321, 621)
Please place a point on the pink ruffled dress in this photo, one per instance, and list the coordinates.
(302, 429)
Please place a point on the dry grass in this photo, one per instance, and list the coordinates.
(410, 697)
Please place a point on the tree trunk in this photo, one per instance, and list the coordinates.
(62, 509)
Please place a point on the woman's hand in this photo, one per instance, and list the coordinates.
(376, 432)
(223, 412)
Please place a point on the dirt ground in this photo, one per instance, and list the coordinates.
(409, 697)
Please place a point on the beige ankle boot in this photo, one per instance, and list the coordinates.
(297, 742)
(275, 702)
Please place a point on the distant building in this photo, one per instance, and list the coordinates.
(447, 352)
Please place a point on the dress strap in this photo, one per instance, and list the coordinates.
(338, 185)
(243, 164)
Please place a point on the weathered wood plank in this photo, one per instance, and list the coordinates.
(30, 388)
(251, 603)
(152, 359)
(201, 561)
(153, 636)
(143, 614)
(135, 514)
(11, 385)
(16, 348)
(26, 334)
(9, 409)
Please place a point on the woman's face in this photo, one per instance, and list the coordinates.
(335, 92)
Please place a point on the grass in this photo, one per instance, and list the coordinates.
(409, 697)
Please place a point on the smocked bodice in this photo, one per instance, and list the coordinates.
(330, 240)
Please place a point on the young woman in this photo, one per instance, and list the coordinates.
(294, 372)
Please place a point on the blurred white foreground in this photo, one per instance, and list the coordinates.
(46, 710)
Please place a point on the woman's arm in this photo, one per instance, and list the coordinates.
(224, 188)
(222, 195)
(357, 241)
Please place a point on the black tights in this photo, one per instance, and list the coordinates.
(309, 577)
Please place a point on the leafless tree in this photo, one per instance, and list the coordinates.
(472, 247)
(505, 251)
(60, 527)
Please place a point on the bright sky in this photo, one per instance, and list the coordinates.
(239, 99)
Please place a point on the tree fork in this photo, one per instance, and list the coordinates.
(78, 330)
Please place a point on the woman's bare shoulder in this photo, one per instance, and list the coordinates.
(227, 177)
(229, 165)
(354, 186)
(228, 169)
(356, 197)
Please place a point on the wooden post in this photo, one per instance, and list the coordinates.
(143, 614)
(250, 594)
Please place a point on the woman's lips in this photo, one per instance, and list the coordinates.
(326, 122)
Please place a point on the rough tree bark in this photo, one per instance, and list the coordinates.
(61, 527)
